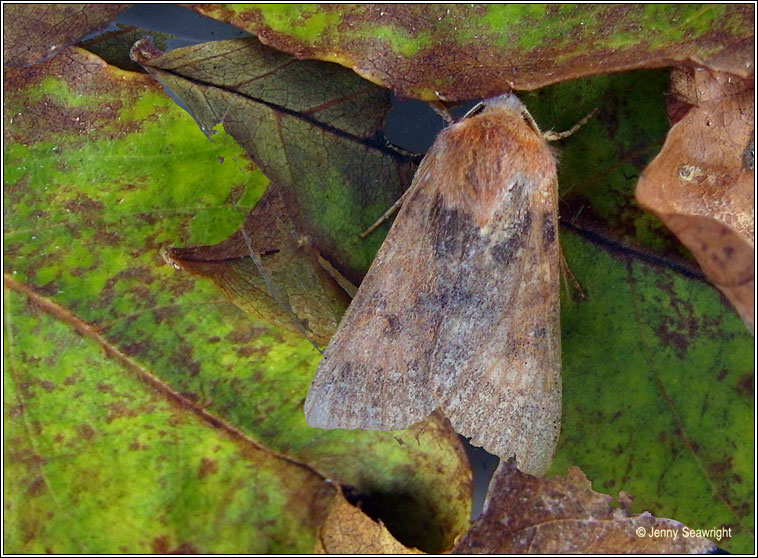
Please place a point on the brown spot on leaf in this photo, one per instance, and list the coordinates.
(185, 548)
(746, 385)
(207, 467)
(677, 339)
(161, 544)
(86, 431)
(720, 469)
(84, 204)
(47, 385)
(119, 410)
(36, 487)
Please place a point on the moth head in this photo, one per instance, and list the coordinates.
(508, 102)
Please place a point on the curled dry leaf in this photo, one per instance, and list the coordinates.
(702, 183)
(271, 272)
(35, 32)
(458, 52)
(347, 530)
(524, 514)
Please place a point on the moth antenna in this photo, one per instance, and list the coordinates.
(256, 258)
(387, 214)
(566, 275)
(441, 108)
(569, 279)
(555, 136)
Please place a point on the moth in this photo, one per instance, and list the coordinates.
(460, 308)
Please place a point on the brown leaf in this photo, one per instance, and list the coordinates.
(701, 185)
(524, 514)
(290, 289)
(347, 530)
(35, 32)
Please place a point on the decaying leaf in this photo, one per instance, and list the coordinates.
(35, 32)
(312, 127)
(527, 515)
(460, 51)
(347, 530)
(271, 272)
(702, 184)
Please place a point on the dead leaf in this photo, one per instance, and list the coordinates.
(291, 289)
(527, 515)
(36, 32)
(701, 185)
(347, 530)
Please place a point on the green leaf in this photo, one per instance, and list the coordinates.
(658, 391)
(100, 457)
(102, 171)
(458, 52)
(657, 367)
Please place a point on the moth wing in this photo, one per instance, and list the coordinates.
(497, 361)
(375, 373)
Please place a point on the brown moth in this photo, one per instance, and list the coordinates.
(460, 308)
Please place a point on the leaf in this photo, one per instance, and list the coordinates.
(347, 530)
(35, 32)
(702, 184)
(102, 171)
(114, 46)
(306, 298)
(101, 457)
(657, 390)
(312, 128)
(458, 52)
(525, 514)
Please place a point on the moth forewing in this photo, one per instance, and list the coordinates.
(460, 308)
